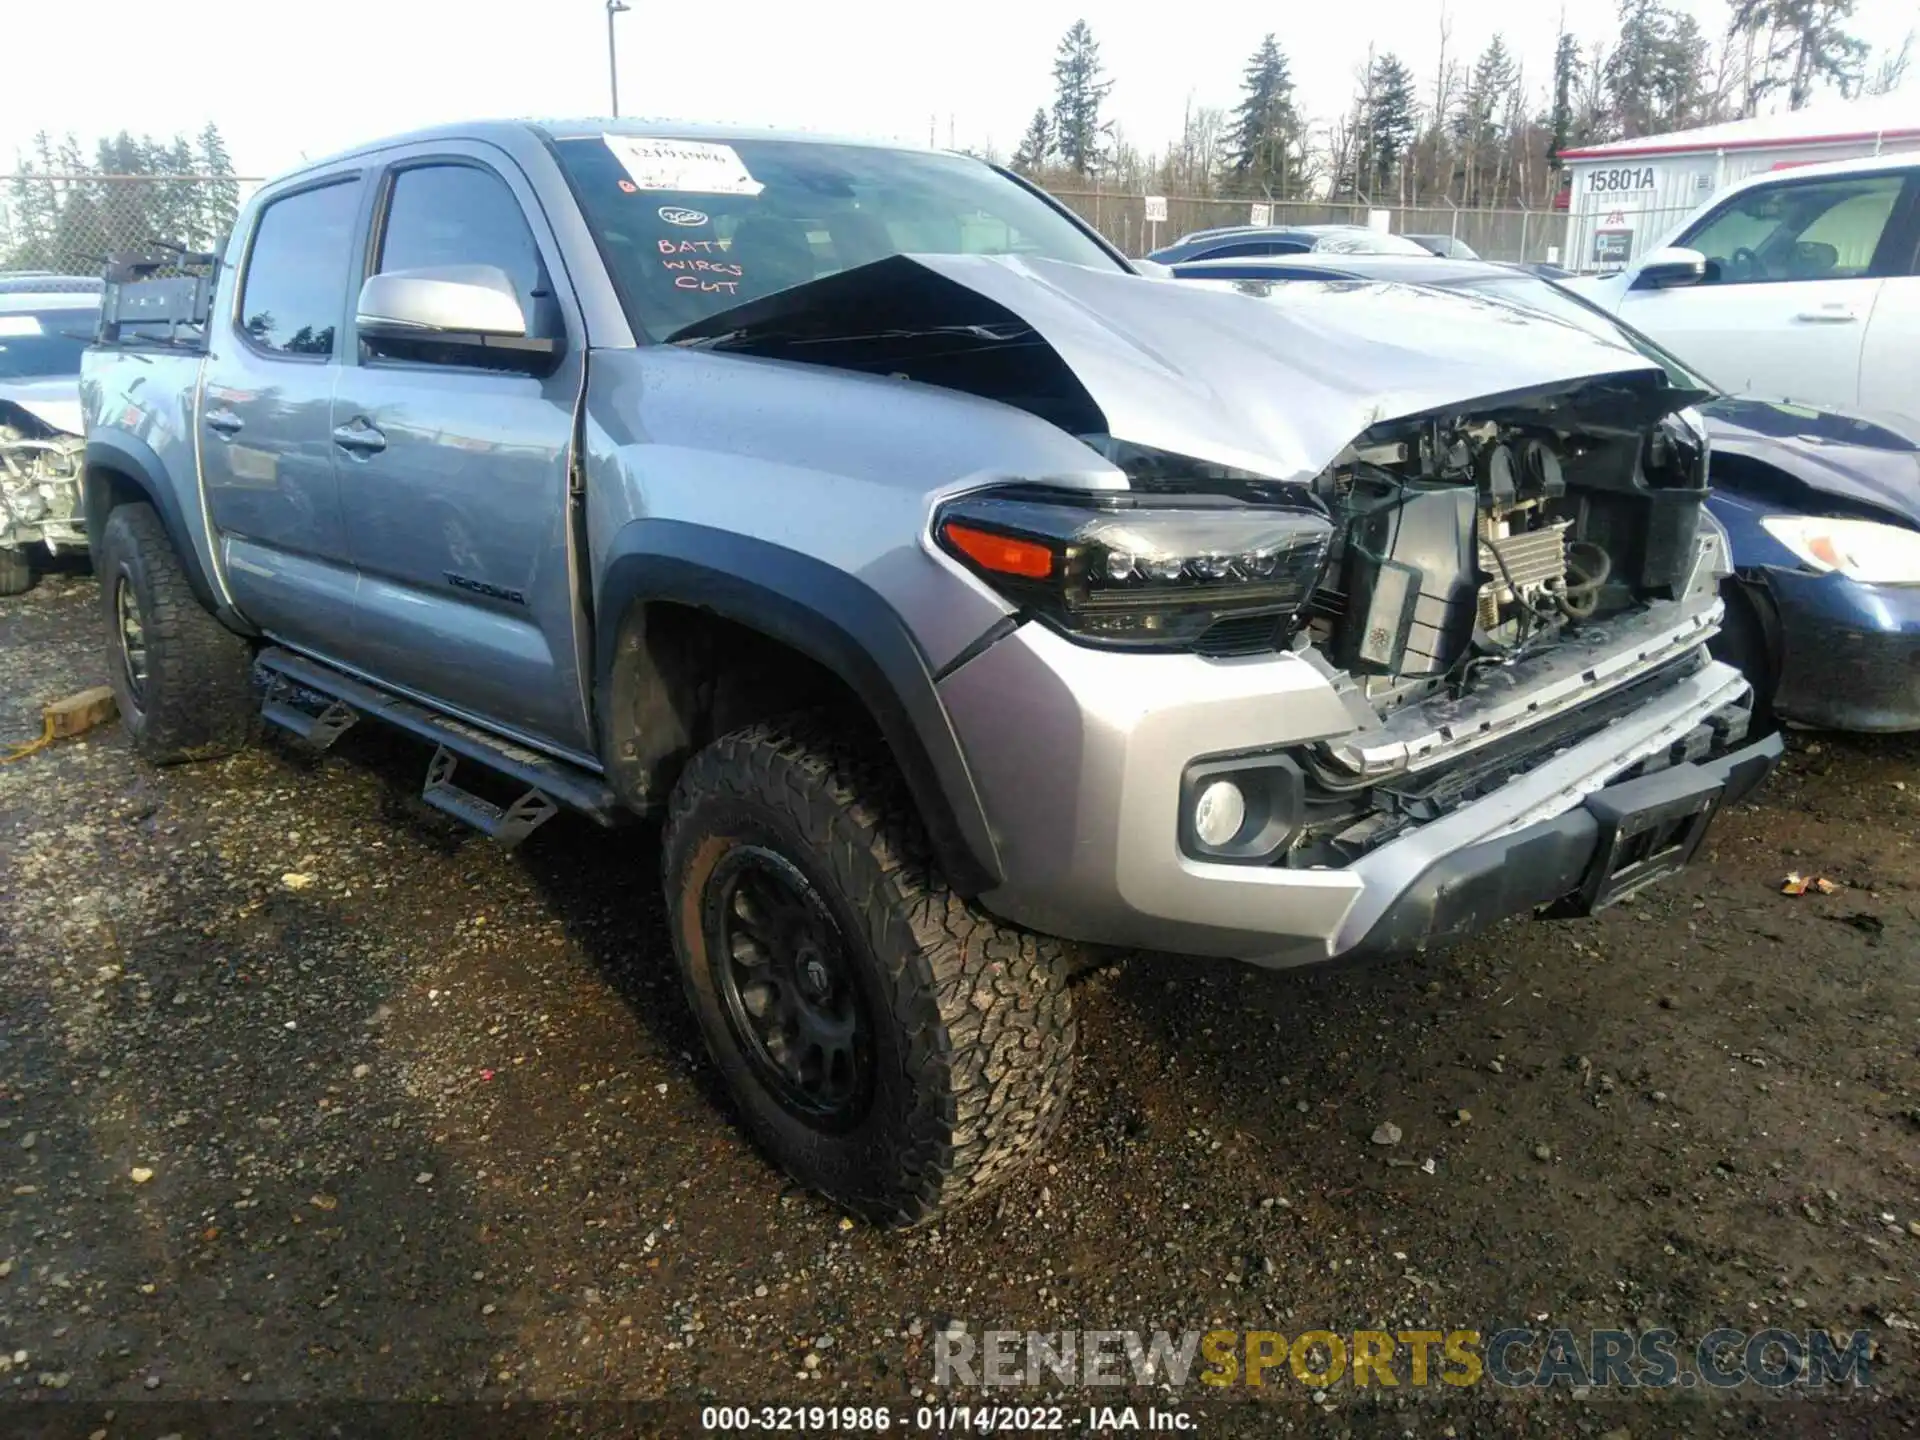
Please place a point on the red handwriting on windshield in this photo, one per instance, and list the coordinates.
(721, 277)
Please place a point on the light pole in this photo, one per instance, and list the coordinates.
(614, 7)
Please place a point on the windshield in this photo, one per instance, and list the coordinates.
(1367, 242)
(35, 344)
(1546, 298)
(691, 228)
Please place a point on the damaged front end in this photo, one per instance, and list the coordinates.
(1483, 528)
(40, 471)
(1509, 581)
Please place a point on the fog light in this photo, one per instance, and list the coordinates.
(1219, 813)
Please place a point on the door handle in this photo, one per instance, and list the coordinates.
(359, 439)
(1829, 315)
(223, 422)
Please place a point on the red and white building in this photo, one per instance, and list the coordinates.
(1626, 196)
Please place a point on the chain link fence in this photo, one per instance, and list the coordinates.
(1531, 235)
(67, 224)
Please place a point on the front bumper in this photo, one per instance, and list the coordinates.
(1621, 839)
(56, 535)
(1849, 653)
(1078, 756)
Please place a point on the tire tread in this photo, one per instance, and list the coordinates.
(983, 1008)
(200, 701)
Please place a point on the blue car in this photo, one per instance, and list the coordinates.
(1255, 241)
(1822, 510)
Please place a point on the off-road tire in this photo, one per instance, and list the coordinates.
(16, 571)
(973, 1025)
(197, 700)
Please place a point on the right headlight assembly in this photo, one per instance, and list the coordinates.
(1138, 572)
(1863, 550)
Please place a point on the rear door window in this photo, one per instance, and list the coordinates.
(295, 288)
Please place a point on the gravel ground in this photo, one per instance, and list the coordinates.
(307, 1094)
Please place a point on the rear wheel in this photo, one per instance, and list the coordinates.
(16, 572)
(182, 679)
(888, 1044)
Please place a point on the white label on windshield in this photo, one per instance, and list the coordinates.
(694, 166)
(12, 327)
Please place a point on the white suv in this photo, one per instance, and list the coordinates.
(1792, 285)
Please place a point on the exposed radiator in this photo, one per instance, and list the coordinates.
(1525, 561)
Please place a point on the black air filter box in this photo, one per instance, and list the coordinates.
(1412, 581)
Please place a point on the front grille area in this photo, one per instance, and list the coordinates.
(1241, 635)
(1344, 824)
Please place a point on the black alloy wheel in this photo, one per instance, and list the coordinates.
(781, 968)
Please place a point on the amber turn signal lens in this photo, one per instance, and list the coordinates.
(999, 552)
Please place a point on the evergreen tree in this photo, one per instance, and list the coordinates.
(173, 210)
(1392, 120)
(34, 208)
(219, 195)
(1475, 131)
(1266, 128)
(136, 190)
(1566, 75)
(1036, 146)
(1635, 68)
(116, 212)
(1806, 47)
(1080, 88)
(1680, 85)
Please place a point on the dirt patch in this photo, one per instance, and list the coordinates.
(430, 1120)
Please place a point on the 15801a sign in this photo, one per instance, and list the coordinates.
(1619, 178)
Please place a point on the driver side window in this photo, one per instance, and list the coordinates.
(1824, 229)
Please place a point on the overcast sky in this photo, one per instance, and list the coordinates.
(291, 80)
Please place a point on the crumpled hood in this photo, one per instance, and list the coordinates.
(1276, 379)
(1873, 461)
(54, 401)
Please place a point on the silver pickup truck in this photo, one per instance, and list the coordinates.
(940, 581)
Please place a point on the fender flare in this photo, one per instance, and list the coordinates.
(833, 619)
(134, 461)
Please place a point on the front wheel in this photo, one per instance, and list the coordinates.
(1742, 643)
(16, 571)
(887, 1043)
(183, 681)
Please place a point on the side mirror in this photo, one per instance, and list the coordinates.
(450, 314)
(1669, 268)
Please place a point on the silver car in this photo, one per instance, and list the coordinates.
(46, 322)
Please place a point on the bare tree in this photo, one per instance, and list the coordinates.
(1443, 77)
(1890, 69)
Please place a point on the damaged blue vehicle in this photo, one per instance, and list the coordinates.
(1823, 512)
(1821, 509)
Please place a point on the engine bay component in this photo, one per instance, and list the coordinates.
(1469, 542)
(39, 483)
(1410, 569)
(1526, 566)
